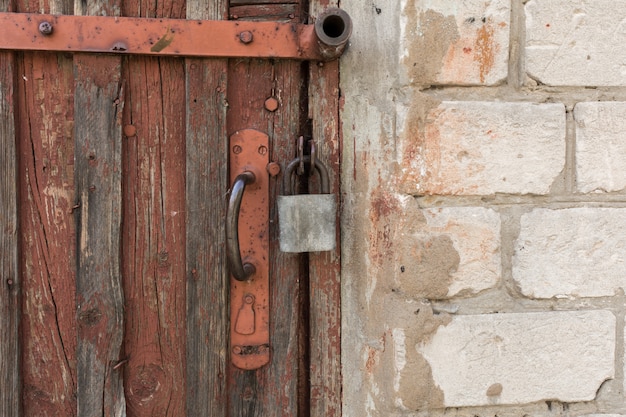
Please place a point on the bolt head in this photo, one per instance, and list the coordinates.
(271, 104)
(130, 131)
(45, 28)
(273, 169)
(246, 37)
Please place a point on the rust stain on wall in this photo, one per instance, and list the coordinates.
(421, 153)
(485, 50)
(384, 205)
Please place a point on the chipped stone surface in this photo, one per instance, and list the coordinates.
(478, 148)
(600, 146)
(526, 357)
(456, 250)
(588, 36)
(452, 42)
(574, 252)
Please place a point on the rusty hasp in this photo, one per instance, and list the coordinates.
(177, 37)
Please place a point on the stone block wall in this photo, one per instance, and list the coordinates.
(484, 208)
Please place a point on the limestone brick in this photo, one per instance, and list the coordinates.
(600, 146)
(521, 357)
(574, 252)
(577, 43)
(476, 148)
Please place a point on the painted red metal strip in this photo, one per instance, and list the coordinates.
(162, 37)
(249, 300)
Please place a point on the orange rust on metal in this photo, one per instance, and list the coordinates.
(171, 37)
(249, 300)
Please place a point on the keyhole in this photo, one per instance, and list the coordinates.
(245, 317)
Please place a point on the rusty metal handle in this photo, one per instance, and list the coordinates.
(238, 269)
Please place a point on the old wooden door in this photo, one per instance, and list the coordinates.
(113, 192)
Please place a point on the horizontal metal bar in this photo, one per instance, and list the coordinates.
(161, 37)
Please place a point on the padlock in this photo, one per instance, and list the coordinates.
(307, 222)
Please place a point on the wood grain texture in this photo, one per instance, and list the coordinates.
(153, 239)
(274, 12)
(10, 282)
(274, 389)
(206, 191)
(100, 305)
(325, 267)
(48, 236)
(261, 2)
(98, 105)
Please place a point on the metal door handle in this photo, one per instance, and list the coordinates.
(238, 269)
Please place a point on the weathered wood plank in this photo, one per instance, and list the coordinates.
(154, 237)
(48, 236)
(10, 282)
(45, 99)
(274, 389)
(206, 190)
(260, 2)
(153, 255)
(100, 307)
(277, 12)
(98, 106)
(325, 267)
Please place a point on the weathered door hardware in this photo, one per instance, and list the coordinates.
(238, 269)
(247, 238)
(307, 221)
(325, 40)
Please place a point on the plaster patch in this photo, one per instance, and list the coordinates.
(414, 387)
(451, 42)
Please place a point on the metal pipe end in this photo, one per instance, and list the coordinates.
(333, 29)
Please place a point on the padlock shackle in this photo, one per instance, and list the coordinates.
(319, 167)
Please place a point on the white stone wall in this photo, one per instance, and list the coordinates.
(484, 208)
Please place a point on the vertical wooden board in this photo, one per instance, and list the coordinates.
(100, 307)
(325, 267)
(273, 389)
(205, 209)
(10, 282)
(48, 236)
(153, 239)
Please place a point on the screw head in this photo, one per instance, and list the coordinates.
(262, 150)
(237, 149)
(246, 37)
(45, 28)
(271, 104)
